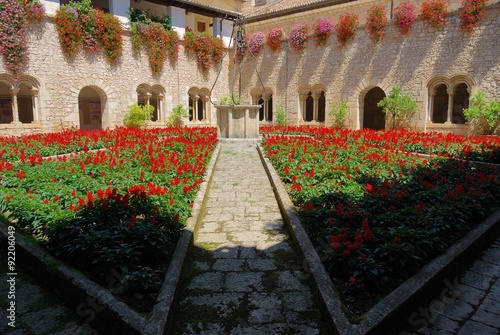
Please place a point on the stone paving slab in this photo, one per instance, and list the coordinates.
(471, 306)
(38, 311)
(248, 277)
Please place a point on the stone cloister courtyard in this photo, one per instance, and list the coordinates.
(139, 194)
(249, 267)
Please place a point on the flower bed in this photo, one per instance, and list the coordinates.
(114, 213)
(377, 213)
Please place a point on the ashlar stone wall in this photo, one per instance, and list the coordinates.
(417, 63)
(59, 82)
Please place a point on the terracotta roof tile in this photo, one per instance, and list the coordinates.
(276, 6)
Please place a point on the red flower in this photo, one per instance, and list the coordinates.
(21, 174)
(176, 217)
(56, 199)
(346, 253)
(7, 198)
(368, 187)
(309, 206)
(362, 256)
(352, 279)
(396, 241)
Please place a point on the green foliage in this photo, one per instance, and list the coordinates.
(230, 99)
(483, 116)
(178, 113)
(338, 113)
(125, 234)
(137, 115)
(144, 17)
(281, 116)
(401, 107)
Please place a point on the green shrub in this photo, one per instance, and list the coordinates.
(483, 116)
(281, 116)
(137, 115)
(175, 118)
(125, 234)
(230, 99)
(400, 107)
(338, 113)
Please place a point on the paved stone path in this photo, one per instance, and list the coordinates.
(468, 305)
(38, 311)
(246, 277)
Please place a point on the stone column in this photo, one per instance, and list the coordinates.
(195, 107)
(302, 114)
(159, 100)
(34, 104)
(15, 107)
(315, 97)
(148, 98)
(432, 94)
(451, 93)
(206, 114)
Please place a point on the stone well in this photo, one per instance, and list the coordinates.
(238, 121)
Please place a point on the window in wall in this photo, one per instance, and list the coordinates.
(309, 111)
(460, 101)
(5, 110)
(261, 110)
(198, 109)
(440, 108)
(321, 107)
(201, 26)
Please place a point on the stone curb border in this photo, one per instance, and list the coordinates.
(107, 314)
(387, 316)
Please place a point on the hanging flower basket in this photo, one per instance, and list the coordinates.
(207, 48)
(255, 42)
(376, 20)
(274, 38)
(298, 37)
(346, 28)
(471, 13)
(434, 12)
(404, 17)
(80, 26)
(322, 30)
(14, 19)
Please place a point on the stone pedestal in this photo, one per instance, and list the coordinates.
(239, 121)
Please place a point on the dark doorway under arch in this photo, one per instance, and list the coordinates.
(373, 117)
(89, 109)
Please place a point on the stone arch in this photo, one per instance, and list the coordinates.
(157, 99)
(266, 102)
(103, 92)
(19, 99)
(198, 104)
(312, 103)
(448, 97)
(369, 114)
(91, 106)
(153, 96)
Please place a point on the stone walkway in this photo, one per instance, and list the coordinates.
(38, 311)
(468, 305)
(245, 277)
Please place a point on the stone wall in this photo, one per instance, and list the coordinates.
(60, 81)
(418, 63)
(411, 62)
